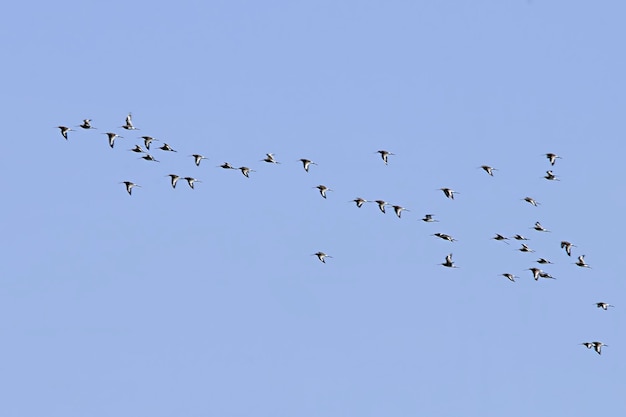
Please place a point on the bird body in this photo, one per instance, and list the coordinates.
(112, 137)
(359, 201)
(581, 262)
(510, 277)
(64, 130)
(519, 237)
(398, 210)
(269, 158)
(539, 227)
(531, 201)
(448, 263)
(129, 186)
(147, 140)
(552, 158)
(149, 157)
(543, 261)
(381, 205)
(449, 192)
(489, 170)
(444, 237)
(166, 147)
(500, 237)
(174, 179)
(323, 189)
(137, 149)
(567, 246)
(245, 171)
(384, 155)
(525, 248)
(226, 165)
(603, 305)
(321, 256)
(86, 124)
(128, 125)
(191, 181)
(597, 346)
(550, 176)
(306, 164)
(197, 158)
(428, 218)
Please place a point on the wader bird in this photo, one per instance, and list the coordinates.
(449, 192)
(519, 237)
(147, 140)
(321, 256)
(129, 186)
(444, 237)
(531, 201)
(197, 158)
(552, 157)
(429, 218)
(448, 263)
(86, 124)
(489, 170)
(306, 163)
(137, 149)
(500, 237)
(174, 179)
(245, 171)
(539, 227)
(190, 181)
(129, 123)
(550, 176)
(510, 277)
(381, 205)
(581, 262)
(323, 190)
(567, 246)
(384, 155)
(597, 346)
(543, 261)
(149, 157)
(603, 305)
(112, 137)
(166, 147)
(226, 165)
(398, 210)
(270, 159)
(64, 130)
(359, 201)
(525, 248)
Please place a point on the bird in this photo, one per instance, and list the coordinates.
(306, 163)
(270, 159)
(226, 165)
(519, 237)
(166, 147)
(129, 186)
(86, 124)
(567, 246)
(245, 171)
(64, 130)
(137, 149)
(444, 237)
(539, 227)
(428, 218)
(128, 125)
(384, 155)
(581, 262)
(545, 275)
(147, 140)
(500, 237)
(536, 272)
(190, 181)
(525, 248)
(174, 179)
(321, 256)
(197, 158)
(543, 261)
(381, 205)
(359, 201)
(550, 176)
(398, 210)
(149, 157)
(489, 170)
(597, 346)
(552, 158)
(531, 201)
(448, 263)
(449, 192)
(112, 137)
(603, 305)
(323, 189)
(588, 345)
(510, 277)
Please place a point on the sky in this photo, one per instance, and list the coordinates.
(210, 302)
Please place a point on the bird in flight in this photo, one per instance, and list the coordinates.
(381, 205)
(539, 227)
(550, 176)
(306, 163)
(226, 165)
(398, 210)
(147, 140)
(129, 186)
(128, 125)
(137, 149)
(245, 171)
(174, 179)
(64, 130)
(149, 157)
(567, 246)
(510, 277)
(166, 147)
(197, 158)
(603, 305)
(323, 189)
(581, 262)
(444, 237)
(384, 155)
(552, 157)
(86, 124)
(191, 181)
(359, 201)
(449, 192)
(428, 218)
(269, 158)
(112, 137)
(531, 201)
(448, 263)
(321, 256)
(489, 170)
(498, 236)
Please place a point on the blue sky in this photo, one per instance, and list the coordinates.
(208, 301)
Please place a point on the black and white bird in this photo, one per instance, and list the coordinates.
(448, 263)
(321, 256)
(567, 246)
(381, 205)
(112, 136)
(384, 155)
(226, 165)
(398, 210)
(269, 158)
(489, 170)
(149, 157)
(550, 176)
(129, 186)
(359, 201)
(539, 227)
(428, 218)
(86, 124)
(581, 262)
(306, 163)
(543, 261)
(322, 189)
(552, 157)
(597, 346)
(519, 237)
(64, 130)
(444, 237)
(128, 125)
(137, 149)
(197, 158)
(166, 147)
(191, 181)
(525, 248)
(246, 171)
(531, 201)
(174, 179)
(603, 305)
(510, 277)
(449, 192)
(498, 236)
(147, 140)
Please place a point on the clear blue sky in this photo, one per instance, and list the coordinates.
(207, 302)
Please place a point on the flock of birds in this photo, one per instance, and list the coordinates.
(306, 164)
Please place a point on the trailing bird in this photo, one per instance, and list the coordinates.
(588, 345)
(536, 272)
(112, 137)
(64, 130)
(552, 157)
(448, 263)
(137, 149)
(270, 159)
(545, 275)
(500, 237)
(597, 346)
(384, 155)
(489, 170)
(510, 277)
(525, 248)
(381, 204)
(581, 262)
(567, 246)
(128, 125)
(449, 192)
(129, 186)
(226, 165)
(174, 178)
(245, 171)
(428, 218)
(603, 305)
(539, 227)
(149, 157)
(190, 181)
(86, 124)
(543, 261)
(306, 163)
(398, 210)
(166, 147)
(359, 201)
(147, 140)
(321, 256)
(197, 158)
(531, 201)
(444, 237)
(550, 176)
(519, 237)
(323, 189)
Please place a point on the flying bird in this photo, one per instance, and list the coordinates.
(381, 205)
(137, 149)
(190, 181)
(323, 189)
(539, 227)
(588, 345)
(147, 140)
(525, 248)
(603, 305)
(444, 237)
(519, 237)
(149, 157)
(545, 275)
(449, 192)
(550, 176)
(448, 263)
(112, 137)
(581, 262)
(531, 201)
(197, 158)
(359, 201)
(398, 210)
(552, 158)
(245, 171)
(543, 261)
(536, 272)
(597, 346)
(306, 163)
(226, 165)
(384, 155)
(128, 125)
(174, 179)
(567, 246)
(269, 158)
(129, 186)
(510, 277)
(86, 124)
(321, 256)
(428, 218)
(166, 147)
(64, 130)
(500, 237)
(489, 170)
